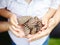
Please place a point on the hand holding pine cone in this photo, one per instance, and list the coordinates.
(31, 25)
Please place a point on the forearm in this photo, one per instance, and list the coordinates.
(55, 20)
(5, 13)
(4, 26)
(50, 13)
(57, 16)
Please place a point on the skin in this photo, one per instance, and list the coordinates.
(46, 17)
(13, 26)
(51, 25)
(13, 21)
(16, 30)
(4, 26)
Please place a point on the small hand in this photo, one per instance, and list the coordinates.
(45, 23)
(43, 33)
(13, 20)
(15, 28)
(17, 31)
(33, 37)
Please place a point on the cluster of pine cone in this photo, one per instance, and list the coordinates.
(31, 25)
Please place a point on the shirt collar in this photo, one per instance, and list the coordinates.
(22, 1)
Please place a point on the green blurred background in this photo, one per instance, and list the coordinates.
(54, 41)
(55, 36)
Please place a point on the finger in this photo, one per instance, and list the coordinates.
(16, 29)
(44, 27)
(22, 35)
(31, 39)
(14, 17)
(28, 36)
(17, 32)
(34, 37)
(14, 22)
(13, 31)
(20, 31)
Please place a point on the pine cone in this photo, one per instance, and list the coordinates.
(31, 25)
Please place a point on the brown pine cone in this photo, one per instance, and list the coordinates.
(31, 25)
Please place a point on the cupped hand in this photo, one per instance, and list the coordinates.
(15, 28)
(40, 34)
(45, 22)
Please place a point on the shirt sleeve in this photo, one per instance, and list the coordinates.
(4, 3)
(54, 4)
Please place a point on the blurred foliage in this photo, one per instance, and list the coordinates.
(54, 41)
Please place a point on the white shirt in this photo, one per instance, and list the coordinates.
(35, 8)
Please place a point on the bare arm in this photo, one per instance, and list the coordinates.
(5, 13)
(52, 24)
(50, 13)
(56, 17)
(14, 27)
(46, 18)
(4, 26)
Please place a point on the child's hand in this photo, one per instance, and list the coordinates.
(13, 21)
(15, 28)
(47, 31)
(17, 31)
(45, 23)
